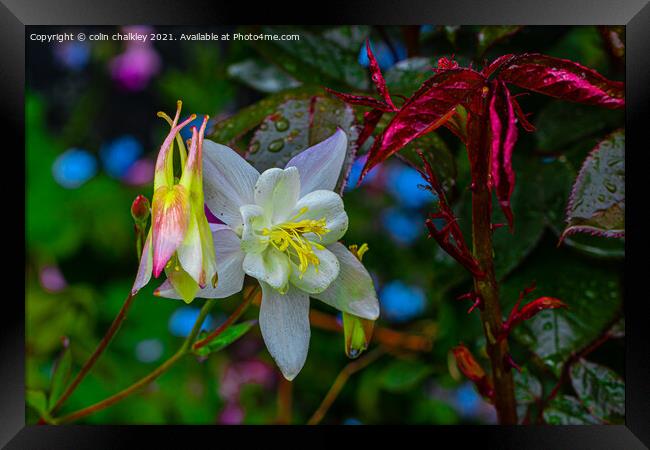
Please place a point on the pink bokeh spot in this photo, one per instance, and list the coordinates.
(52, 279)
(141, 172)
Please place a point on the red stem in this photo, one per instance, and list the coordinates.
(97, 353)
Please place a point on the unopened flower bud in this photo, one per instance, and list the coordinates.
(140, 209)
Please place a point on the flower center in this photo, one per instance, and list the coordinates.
(289, 237)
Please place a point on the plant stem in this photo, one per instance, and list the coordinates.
(285, 394)
(147, 379)
(487, 287)
(247, 300)
(340, 381)
(90, 362)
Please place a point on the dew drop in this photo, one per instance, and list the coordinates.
(255, 146)
(611, 187)
(276, 145)
(282, 124)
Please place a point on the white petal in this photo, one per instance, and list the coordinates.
(320, 165)
(146, 266)
(314, 279)
(270, 266)
(284, 323)
(230, 259)
(329, 205)
(254, 221)
(277, 192)
(228, 182)
(353, 290)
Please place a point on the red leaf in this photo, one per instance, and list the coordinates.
(370, 121)
(561, 78)
(538, 305)
(503, 126)
(378, 78)
(362, 100)
(430, 107)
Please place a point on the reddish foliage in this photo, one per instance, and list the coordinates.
(457, 248)
(503, 126)
(518, 315)
(469, 367)
(564, 79)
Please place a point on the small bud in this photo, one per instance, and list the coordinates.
(357, 333)
(140, 209)
(473, 371)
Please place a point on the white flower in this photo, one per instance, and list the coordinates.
(282, 228)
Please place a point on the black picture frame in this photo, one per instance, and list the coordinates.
(15, 15)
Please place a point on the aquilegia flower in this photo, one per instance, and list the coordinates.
(282, 227)
(179, 240)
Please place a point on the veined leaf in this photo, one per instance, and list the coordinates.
(597, 202)
(600, 389)
(261, 76)
(295, 126)
(567, 410)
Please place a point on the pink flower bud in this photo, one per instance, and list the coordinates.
(140, 209)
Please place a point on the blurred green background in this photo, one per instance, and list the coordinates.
(92, 138)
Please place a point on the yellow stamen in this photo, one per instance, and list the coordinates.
(359, 251)
(289, 237)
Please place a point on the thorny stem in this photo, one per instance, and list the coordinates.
(340, 381)
(90, 362)
(487, 287)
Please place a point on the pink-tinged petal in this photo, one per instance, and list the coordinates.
(564, 79)
(320, 165)
(284, 323)
(429, 108)
(228, 182)
(190, 252)
(163, 173)
(377, 77)
(170, 218)
(230, 258)
(503, 126)
(145, 267)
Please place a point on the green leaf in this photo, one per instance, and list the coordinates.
(297, 125)
(261, 76)
(597, 202)
(567, 410)
(561, 124)
(37, 400)
(230, 335)
(403, 375)
(60, 376)
(601, 390)
(313, 59)
(528, 390)
(228, 131)
(591, 290)
(490, 35)
(349, 37)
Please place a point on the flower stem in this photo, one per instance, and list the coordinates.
(247, 300)
(90, 362)
(147, 379)
(340, 381)
(487, 287)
